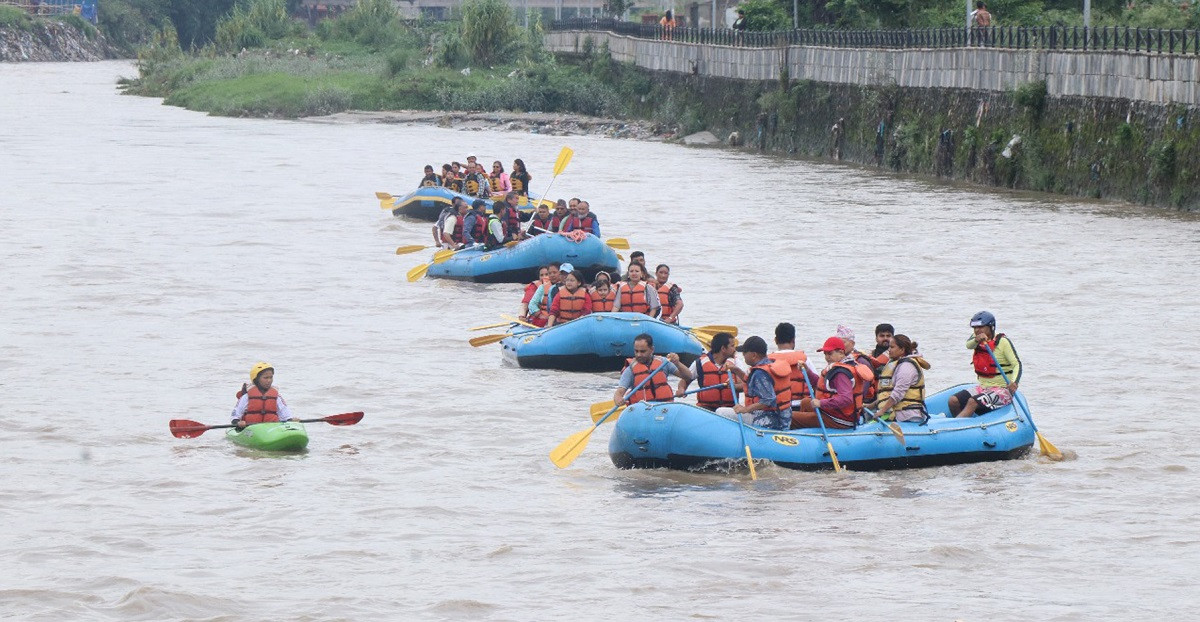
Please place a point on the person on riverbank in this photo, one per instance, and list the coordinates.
(768, 387)
(902, 382)
(837, 394)
(604, 297)
(634, 295)
(644, 364)
(712, 369)
(260, 402)
(739, 24)
(572, 300)
(992, 392)
(520, 178)
(583, 220)
(667, 23)
(499, 180)
(431, 179)
(670, 300)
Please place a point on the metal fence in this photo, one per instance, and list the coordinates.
(1112, 38)
(46, 7)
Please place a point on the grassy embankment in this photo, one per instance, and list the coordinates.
(15, 18)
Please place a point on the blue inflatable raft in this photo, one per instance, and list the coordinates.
(596, 342)
(520, 263)
(683, 436)
(426, 203)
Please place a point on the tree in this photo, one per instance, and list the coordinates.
(765, 15)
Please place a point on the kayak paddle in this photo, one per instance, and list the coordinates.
(185, 428)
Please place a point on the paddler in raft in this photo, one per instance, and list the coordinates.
(635, 295)
(260, 402)
(669, 299)
(572, 300)
(713, 368)
(786, 351)
(430, 180)
(768, 388)
(838, 391)
(991, 392)
(643, 363)
(582, 220)
(902, 387)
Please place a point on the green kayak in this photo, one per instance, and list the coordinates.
(275, 436)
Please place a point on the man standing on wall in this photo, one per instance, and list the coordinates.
(981, 21)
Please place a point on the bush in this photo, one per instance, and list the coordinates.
(252, 25)
(489, 30)
(765, 15)
(374, 23)
(12, 17)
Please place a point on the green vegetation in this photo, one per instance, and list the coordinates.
(13, 17)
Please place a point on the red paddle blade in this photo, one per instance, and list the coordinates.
(184, 428)
(344, 419)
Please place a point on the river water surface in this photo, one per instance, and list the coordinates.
(151, 255)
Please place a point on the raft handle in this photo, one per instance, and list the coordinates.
(989, 444)
(913, 447)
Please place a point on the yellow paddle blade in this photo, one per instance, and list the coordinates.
(568, 450)
(383, 196)
(416, 273)
(896, 431)
(750, 461)
(620, 244)
(837, 468)
(564, 157)
(517, 320)
(713, 329)
(620, 257)
(486, 339)
(442, 255)
(598, 413)
(1048, 449)
(704, 338)
(404, 250)
(490, 326)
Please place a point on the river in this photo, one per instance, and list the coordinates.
(151, 255)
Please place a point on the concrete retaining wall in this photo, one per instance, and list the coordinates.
(1140, 76)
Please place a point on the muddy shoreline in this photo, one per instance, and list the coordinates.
(544, 123)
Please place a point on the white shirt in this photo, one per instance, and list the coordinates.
(239, 411)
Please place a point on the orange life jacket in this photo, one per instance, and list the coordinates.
(261, 407)
(658, 389)
(865, 368)
(796, 359)
(781, 376)
(570, 306)
(664, 292)
(844, 417)
(633, 299)
(707, 373)
(604, 302)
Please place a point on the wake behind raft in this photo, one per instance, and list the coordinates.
(682, 436)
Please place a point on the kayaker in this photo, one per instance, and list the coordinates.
(539, 304)
(542, 221)
(991, 392)
(644, 362)
(635, 295)
(902, 382)
(768, 387)
(493, 235)
(603, 294)
(669, 299)
(572, 300)
(430, 179)
(883, 341)
(785, 345)
(583, 220)
(519, 177)
(835, 388)
(260, 402)
(499, 180)
(865, 364)
(713, 368)
(543, 277)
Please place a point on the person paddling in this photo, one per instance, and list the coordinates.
(768, 387)
(785, 344)
(260, 402)
(991, 392)
(901, 386)
(643, 364)
(712, 369)
(837, 394)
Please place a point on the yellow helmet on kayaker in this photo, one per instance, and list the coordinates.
(259, 368)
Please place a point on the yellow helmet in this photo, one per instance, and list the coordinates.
(259, 368)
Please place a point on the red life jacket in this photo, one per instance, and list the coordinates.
(547, 224)
(634, 299)
(511, 220)
(557, 221)
(658, 389)
(585, 224)
(845, 417)
(480, 228)
(570, 306)
(664, 292)
(796, 359)
(985, 365)
(781, 376)
(458, 228)
(260, 407)
(707, 373)
(604, 302)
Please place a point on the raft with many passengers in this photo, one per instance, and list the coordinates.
(596, 342)
(427, 203)
(682, 436)
(520, 263)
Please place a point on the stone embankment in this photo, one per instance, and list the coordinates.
(550, 124)
(52, 41)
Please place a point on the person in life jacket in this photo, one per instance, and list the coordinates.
(644, 364)
(603, 294)
(572, 300)
(493, 234)
(883, 343)
(475, 182)
(583, 220)
(539, 304)
(520, 178)
(902, 382)
(838, 396)
(455, 180)
(499, 180)
(474, 224)
(430, 180)
(635, 295)
(448, 230)
(991, 392)
(865, 365)
(542, 221)
(785, 345)
(768, 387)
(712, 369)
(530, 288)
(560, 216)
(513, 216)
(669, 299)
(260, 402)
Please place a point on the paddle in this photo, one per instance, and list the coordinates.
(713, 329)
(560, 165)
(383, 196)
(404, 250)
(837, 468)
(620, 244)
(446, 253)
(439, 257)
(891, 425)
(184, 428)
(517, 320)
(568, 450)
(487, 339)
(742, 430)
(490, 326)
(599, 408)
(1048, 449)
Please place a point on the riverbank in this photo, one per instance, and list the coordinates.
(549, 124)
(64, 39)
